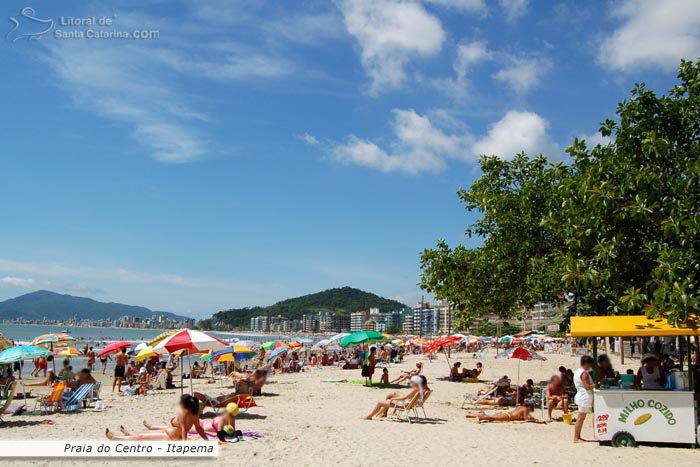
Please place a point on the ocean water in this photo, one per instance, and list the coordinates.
(25, 333)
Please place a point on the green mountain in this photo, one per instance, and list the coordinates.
(57, 307)
(342, 301)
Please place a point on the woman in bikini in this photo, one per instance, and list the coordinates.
(522, 413)
(419, 385)
(177, 428)
(220, 426)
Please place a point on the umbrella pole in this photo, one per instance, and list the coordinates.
(447, 357)
(190, 361)
(517, 389)
(182, 377)
(53, 359)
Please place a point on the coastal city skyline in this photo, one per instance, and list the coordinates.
(186, 172)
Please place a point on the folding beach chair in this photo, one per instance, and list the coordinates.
(52, 400)
(8, 393)
(403, 409)
(421, 405)
(244, 401)
(75, 400)
(94, 396)
(473, 400)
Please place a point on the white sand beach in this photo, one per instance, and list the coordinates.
(308, 422)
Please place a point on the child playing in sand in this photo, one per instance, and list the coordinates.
(385, 377)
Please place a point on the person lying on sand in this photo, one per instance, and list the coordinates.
(177, 428)
(406, 375)
(419, 385)
(250, 383)
(503, 393)
(220, 426)
(522, 413)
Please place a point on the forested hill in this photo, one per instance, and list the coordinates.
(341, 301)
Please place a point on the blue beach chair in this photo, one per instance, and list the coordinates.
(74, 402)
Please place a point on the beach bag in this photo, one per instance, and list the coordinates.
(365, 371)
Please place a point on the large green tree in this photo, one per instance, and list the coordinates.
(514, 267)
(628, 216)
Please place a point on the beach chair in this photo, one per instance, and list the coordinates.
(421, 405)
(8, 396)
(161, 381)
(403, 409)
(51, 401)
(94, 396)
(473, 401)
(244, 401)
(74, 402)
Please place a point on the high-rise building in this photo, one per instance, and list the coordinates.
(357, 319)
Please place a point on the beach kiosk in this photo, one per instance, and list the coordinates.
(623, 417)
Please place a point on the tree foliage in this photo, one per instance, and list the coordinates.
(618, 228)
(629, 218)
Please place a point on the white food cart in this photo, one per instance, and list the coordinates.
(623, 417)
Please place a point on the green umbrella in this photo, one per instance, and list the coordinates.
(268, 345)
(362, 337)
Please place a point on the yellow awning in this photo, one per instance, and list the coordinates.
(630, 326)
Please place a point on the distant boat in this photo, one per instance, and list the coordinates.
(66, 331)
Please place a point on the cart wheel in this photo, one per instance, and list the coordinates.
(622, 439)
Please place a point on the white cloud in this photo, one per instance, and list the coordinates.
(468, 55)
(390, 33)
(517, 131)
(595, 139)
(17, 283)
(514, 8)
(523, 73)
(466, 6)
(418, 146)
(652, 34)
(310, 139)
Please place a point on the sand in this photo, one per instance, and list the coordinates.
(307, 422)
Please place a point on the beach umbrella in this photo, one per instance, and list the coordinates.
(114, 347)
(145, 353)
(294, 345)
(441, 344)
(333, 348)
(268, 345)
(153, 342)
(207, 357)
(276, 353)
(279, 344)
(505, 339)
(227, 355)
(22, 352)
(67, 352)
(521, 353)
(337, 338)
(193, 342)
(306, 340)
(5, 342)
(50, 340)
(320, 344)
(362, 337)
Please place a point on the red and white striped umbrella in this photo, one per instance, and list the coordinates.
(193, 342)
(114, 347)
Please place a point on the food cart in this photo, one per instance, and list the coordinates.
(623, 417)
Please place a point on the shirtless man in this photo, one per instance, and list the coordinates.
(521, 413)
(90, 359)
(556, 396)
(120, 362)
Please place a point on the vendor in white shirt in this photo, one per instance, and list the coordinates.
(649, 374)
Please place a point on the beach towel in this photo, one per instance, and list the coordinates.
(334, 380)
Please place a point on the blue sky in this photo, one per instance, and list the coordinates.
(254, 151)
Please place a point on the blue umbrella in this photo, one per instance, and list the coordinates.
(22, 352)
(277, 352)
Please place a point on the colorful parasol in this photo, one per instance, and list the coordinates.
(362, 337)
(193, 342)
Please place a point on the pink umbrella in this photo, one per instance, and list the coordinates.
(114, 347)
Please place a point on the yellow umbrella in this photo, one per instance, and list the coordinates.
(4, 342)
(162, 336)
(67, 352)
(145, 353)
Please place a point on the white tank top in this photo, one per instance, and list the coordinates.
(651, 380)
(580, 387)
